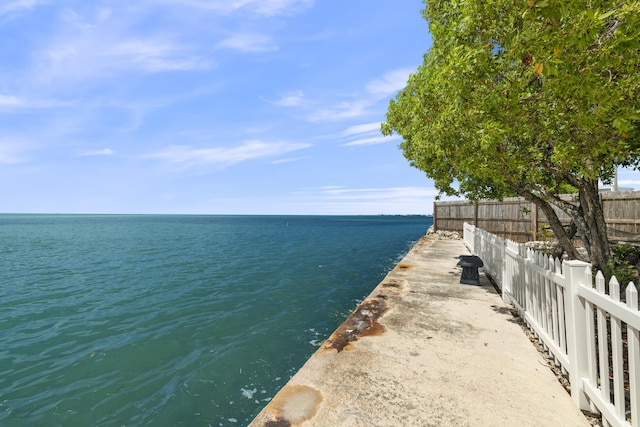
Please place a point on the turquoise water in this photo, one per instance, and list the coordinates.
(113, 320)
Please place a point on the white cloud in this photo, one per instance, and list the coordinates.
(257, 7)
(291, 99)
(92, 56)
(378, 200)
(364, 128)
(327, 188)
(390, 83)
(366, 134)
(276, 7)
(225, 156)
(371, 140)
(379, 193)
(15, 6)
(288, 160)
(248, 42)
(103, 152)
(156, 56)
(374, 92)
(11, 101)
(12, 151)
(105, 42)
(342, 110)
(104, 13)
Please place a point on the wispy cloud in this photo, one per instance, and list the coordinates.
(18, 5)
(390, 83)
(365, 134)
(96, 153)
(374, 92)
(89, 56)
(390, 193)
(365, 128)
(342, 110)
(105, 42)
(291, 99)
(338, 199)
(155, 56)
(372, 140)
(257, 7)
(249, 42)
(225, 156)
(13, 150)
(9, 101)
(13, 103)
(288, 160)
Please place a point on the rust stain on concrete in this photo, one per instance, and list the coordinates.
(294, 405)
(362, 322)
(391, 287)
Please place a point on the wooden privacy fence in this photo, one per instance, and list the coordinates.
(592, 333)
(522, 221)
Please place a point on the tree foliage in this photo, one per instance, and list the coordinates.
(526, 97)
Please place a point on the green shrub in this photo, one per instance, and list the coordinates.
(624, 259)
(626, 253)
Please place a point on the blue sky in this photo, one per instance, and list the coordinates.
(208, 106)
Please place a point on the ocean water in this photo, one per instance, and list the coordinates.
(173, 320)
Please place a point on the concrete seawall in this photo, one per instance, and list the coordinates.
(424, 350)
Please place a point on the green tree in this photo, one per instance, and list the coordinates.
(527, 97)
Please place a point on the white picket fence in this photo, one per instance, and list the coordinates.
(591, 333)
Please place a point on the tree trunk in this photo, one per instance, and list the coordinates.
(597, 244)
(588, 217)
(564, 239)
(571, 232)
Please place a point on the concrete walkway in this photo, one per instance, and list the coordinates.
(425, 350)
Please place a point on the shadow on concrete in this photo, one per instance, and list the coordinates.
(508, 312)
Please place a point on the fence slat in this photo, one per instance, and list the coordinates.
(592, 356)
(540, 290)
(555, 316)
(529, 279)
(562, 328)
(633, 339)
(616, 350)
(603, 348)
(548, 284)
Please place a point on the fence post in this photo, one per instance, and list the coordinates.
(470, 237)
(435, 216)
(475, 213)
(534, 222)
(575, 273)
